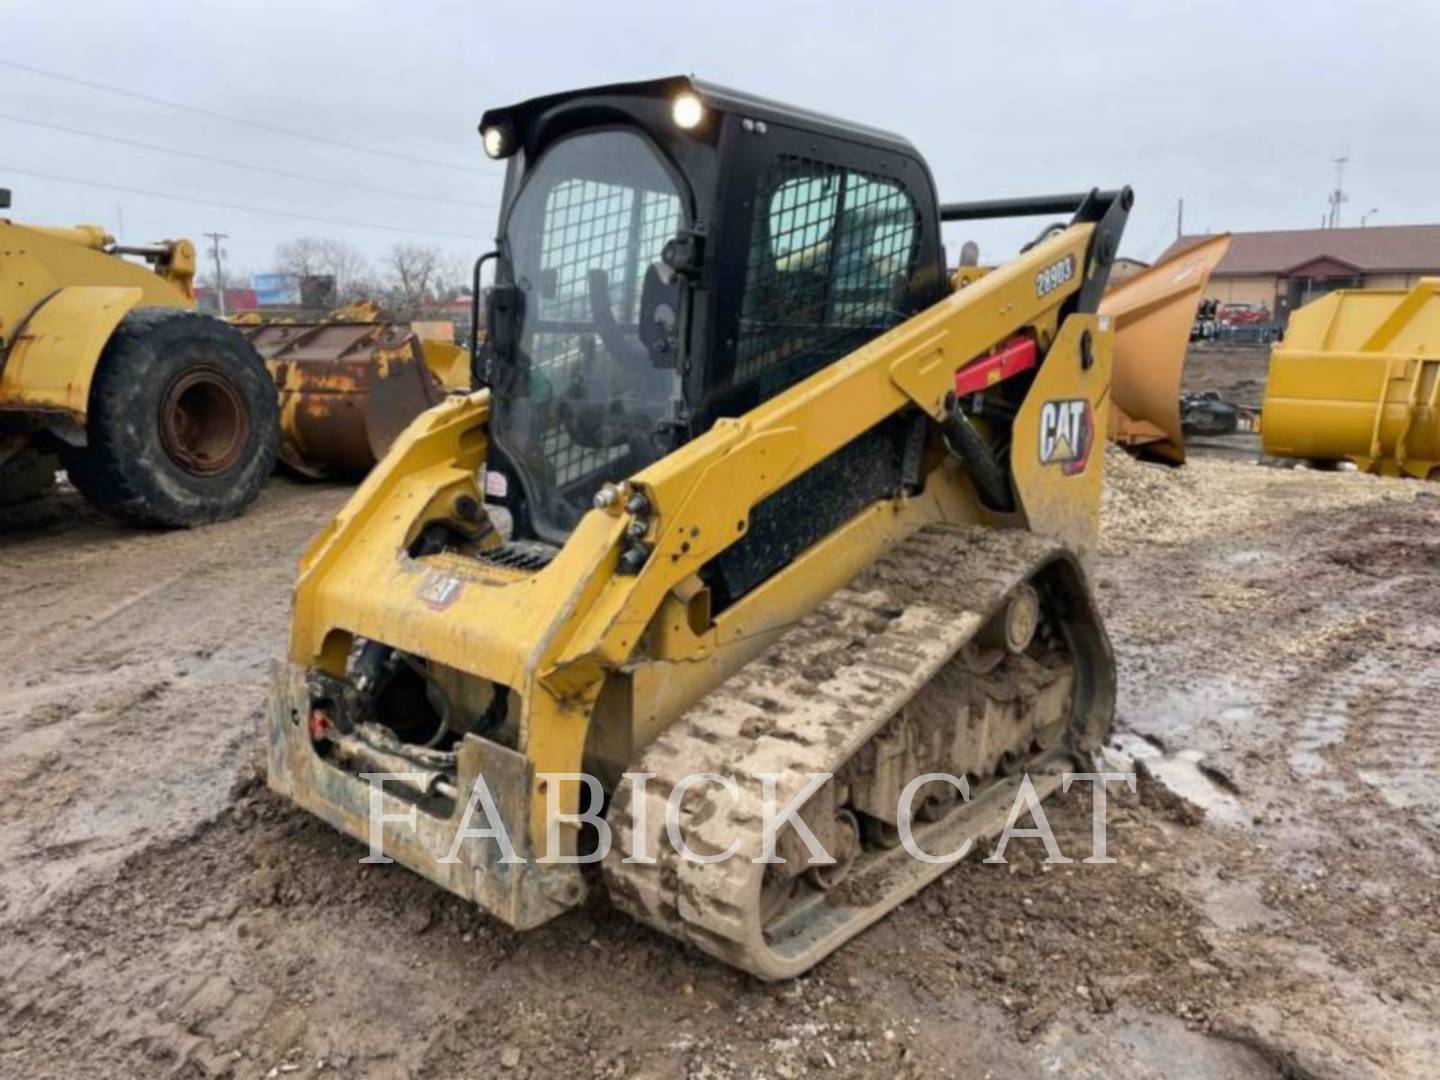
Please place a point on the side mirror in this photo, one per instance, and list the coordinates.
(4, 198)
(502, 319)
(479, 365)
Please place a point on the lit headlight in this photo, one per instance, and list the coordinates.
(687, 111)
(496, 140)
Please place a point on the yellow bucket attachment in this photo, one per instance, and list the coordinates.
(1358, 377)
(347, 389)
(1152, 313)
(448, 362)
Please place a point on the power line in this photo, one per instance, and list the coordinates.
(267, 211)
(259, 124)
(235, 164)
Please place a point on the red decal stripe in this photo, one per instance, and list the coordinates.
(1016, 355)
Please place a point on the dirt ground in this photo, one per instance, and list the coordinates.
(1237, 373)
(1274, 910)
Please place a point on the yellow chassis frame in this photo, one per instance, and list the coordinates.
(604, 661)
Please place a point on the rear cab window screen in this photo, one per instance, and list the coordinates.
(832, 251)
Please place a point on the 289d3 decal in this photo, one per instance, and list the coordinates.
(1054, 275)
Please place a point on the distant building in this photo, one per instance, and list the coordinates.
(1125, 267)
(1285, 269)
(208, 301)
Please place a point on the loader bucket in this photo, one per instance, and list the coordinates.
(347, 389)
(1152, 313)
(448, 362)
(1358, 377)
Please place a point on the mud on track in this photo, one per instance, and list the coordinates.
(1273, 911)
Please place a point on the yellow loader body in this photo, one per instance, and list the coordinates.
(61, 297)
(1357, 377)
(159, 415)
(564, 638)
(758, 492)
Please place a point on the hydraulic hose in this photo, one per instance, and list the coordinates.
(969, 448)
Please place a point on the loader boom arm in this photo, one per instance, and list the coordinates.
(703, 494)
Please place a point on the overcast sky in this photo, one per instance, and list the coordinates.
(1238, 107)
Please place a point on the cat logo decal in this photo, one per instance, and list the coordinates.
(1067, 432)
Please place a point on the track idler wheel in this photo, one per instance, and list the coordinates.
(845, 849)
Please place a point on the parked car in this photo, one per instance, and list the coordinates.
(1244, 314)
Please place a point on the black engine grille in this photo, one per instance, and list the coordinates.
(520, 555)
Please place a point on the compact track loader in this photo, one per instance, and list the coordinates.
(160, 415)
(792, 511)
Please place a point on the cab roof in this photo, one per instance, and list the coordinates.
(525, 114)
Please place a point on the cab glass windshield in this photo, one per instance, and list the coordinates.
(584, 398)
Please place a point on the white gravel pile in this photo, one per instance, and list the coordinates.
(1146, 501)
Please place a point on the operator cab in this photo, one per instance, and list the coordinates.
(672, 252)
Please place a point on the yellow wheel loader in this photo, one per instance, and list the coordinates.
(791, 522)
(161, 416)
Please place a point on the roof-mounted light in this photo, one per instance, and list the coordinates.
(497, 141)
(687, 111)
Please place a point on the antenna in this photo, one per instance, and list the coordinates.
(1338, 196)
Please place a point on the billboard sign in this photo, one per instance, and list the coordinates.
(276, 290)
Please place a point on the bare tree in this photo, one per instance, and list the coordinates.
(234, 278)
(313, 256)
(452, 278)
(416, 272)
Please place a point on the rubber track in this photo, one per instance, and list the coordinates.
(805, 706)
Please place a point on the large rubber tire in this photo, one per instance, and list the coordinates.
(184, 422)
(26, 476)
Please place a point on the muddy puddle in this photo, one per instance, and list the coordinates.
(1185, 774)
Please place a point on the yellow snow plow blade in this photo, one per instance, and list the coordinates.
(1152, 313)
(1358, 377)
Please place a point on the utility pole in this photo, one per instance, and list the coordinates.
(1338, 196)
(1180, 219)
(218, 254)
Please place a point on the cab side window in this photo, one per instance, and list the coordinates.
(832, 251)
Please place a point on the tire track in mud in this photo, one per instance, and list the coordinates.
(135, 687)
(256, 942)
(251, 942)
(1296, 648)
(88, 587)
(229, 922)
